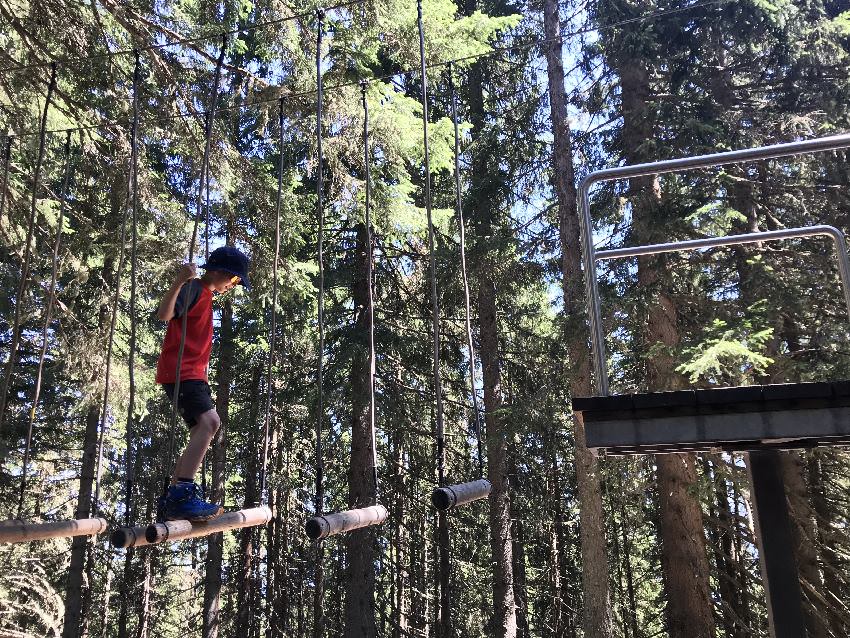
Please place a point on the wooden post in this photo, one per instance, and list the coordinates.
(178, 530)
(125, 537)
(17, 531)
(450, 496)
(330, 524)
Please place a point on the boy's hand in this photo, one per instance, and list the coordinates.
(186, 273)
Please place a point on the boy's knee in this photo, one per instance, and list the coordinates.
(210, 422)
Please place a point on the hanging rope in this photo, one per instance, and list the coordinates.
(45, 328)
(133, 192)
(320, 467)
(202, 211)
(205, 182)
(273, 327)
(5, 182)
(104, 408)
(435, 302)
(462, 231)
(25, 268)
(205, 168)
(370, 278)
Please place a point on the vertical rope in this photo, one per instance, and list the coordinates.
(45, 328)
(444, 573)
(204, 183)
(201, 210)
(370, 277)
(116, 299)
(205, 169)
(273, 328)
(131, 361)
(318, 575)
(7, 156)
(435, 301)
(25, 268)
(462, 231)
(320, 467)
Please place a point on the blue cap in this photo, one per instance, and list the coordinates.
(229, 259)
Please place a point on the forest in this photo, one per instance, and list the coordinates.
(417, 315)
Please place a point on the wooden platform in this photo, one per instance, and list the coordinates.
(781, 416)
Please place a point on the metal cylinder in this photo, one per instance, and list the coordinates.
(177, 530)
(449, 496)
(340, 522)
(125, 537)
(18, 531)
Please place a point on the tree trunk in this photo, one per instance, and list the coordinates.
(401, 575)
(597, 619)
(504, 621)
(520, 580)
(215, 542)
(684, 561)
(683, 558)
(804, 537)
(720, 540)
(360, 545)
(77, 590)
(245, 584)
(828, 527)
(278, 541)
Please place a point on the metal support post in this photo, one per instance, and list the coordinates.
(773, 532)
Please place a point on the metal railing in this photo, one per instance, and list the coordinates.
(591, 255)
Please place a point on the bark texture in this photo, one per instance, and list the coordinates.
(684, 562)
(597, 620)
(360, 545)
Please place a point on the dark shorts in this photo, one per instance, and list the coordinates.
(195, 399)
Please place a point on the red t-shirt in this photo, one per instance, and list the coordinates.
(199, 333)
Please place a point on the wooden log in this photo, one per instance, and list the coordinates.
(18, 531)
(125, 537)
(340, 522)
(449, 496)
(178, 530)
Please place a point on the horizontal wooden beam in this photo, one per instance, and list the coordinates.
(125, 537)
(450, 496)
(18, 531)
(340, 522)
(178, 530)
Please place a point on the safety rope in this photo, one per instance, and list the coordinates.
(370, 279)
(25, 268)
(320, 467)
(133, 192)
(45, 328)
(273, 327)
(7, 156)
(462, 232)
(113, 321)
(200, 212)
(444, 603)
(205, 169)
(435, 302)
(319, 573)
(205, 181)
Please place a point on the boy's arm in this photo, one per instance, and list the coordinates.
(165, 312)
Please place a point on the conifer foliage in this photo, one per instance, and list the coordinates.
(566, 545)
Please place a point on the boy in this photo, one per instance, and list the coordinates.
(188, 295)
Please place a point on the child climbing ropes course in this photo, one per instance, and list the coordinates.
(226, 267)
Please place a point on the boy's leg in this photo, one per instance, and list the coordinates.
(200, 436)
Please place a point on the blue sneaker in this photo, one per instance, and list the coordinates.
(185, 501)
